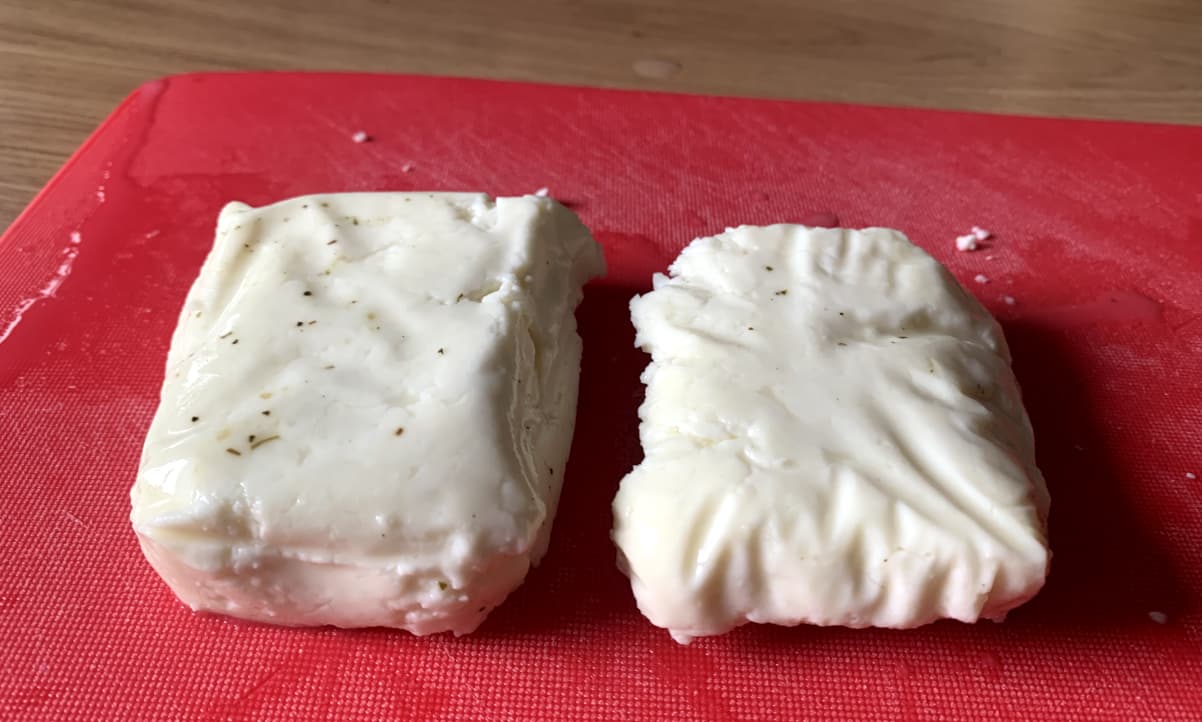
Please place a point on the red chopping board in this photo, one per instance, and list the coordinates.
(1098, 244)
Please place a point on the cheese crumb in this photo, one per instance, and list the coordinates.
(542, 192)
(1008, 300)
(981, 234)
(981, 278)
(1191, 475)
(1158, 617)
(360, 136)
(966, 243)
(408, 167)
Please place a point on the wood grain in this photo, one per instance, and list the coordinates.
(64, 64)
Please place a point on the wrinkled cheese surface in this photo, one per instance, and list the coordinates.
(832, 435)
(368, 405)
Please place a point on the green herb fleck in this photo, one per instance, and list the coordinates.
(769, 268)
(264, 440)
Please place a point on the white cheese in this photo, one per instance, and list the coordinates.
(832, 436)
(966, 242)
(367, 410)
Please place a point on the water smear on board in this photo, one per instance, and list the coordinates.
(49, 290)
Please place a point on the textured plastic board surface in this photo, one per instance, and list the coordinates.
(1099, 243)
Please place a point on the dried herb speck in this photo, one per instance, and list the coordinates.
(330, 243)
(441, 351)
(264, 440)
(234, 341)
(266, 413)
(307, 293)
(768, 268)
(227, 334)
(399, 430)
(442, 586)
(300, 323)
(195, 419)
(235, 452)
(251, 438)
(782, 292)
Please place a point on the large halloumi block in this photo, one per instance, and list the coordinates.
(368, 406)
(832, 436)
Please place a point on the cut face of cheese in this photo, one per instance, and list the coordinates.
(368, 405)
(832, 436)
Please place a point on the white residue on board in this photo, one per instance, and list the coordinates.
(50, 289)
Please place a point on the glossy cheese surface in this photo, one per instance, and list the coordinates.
(368, 405)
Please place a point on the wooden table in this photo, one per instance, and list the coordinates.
(64, 64)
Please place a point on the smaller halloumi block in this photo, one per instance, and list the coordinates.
(368, 406)
(832, 435)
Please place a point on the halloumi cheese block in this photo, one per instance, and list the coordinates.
(832, 435)
(368, 405)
